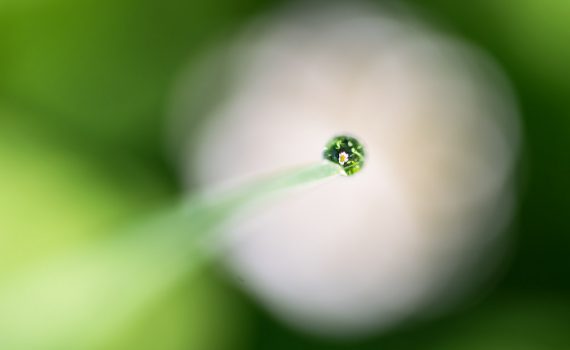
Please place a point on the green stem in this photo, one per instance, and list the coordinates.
(83, 299)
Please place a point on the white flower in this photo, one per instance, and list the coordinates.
(440, 138)
(342, 158)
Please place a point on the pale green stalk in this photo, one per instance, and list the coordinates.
(81, 300)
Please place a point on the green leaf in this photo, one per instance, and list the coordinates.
(82, 300)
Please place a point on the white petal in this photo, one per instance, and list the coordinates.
(439, 138)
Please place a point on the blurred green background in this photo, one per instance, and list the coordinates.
(84, 89)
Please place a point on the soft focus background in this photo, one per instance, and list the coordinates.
(85, 93)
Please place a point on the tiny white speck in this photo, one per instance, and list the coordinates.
(342, 158)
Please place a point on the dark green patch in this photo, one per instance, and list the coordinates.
(347, 152)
